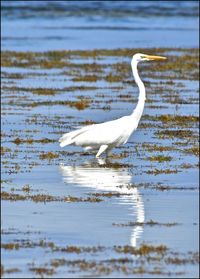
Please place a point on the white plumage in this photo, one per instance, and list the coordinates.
(107, 135)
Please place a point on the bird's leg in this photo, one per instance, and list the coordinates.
(101, 161)
(108, 151)
(101, 150)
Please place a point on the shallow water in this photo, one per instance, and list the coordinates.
(71, 215)
(132, 181)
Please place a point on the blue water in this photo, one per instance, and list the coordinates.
(50, 25)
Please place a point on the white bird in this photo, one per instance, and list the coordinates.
(105, 136)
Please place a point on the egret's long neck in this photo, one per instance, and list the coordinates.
(142, 95)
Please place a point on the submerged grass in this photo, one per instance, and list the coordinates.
(148, 223)
(4, 150)
(8, 270)
(184, 66)
(142, 250)
(46, 91)
(109, 194)
(42, 271)
(180, 120)
(183, 134)
(146, 254)
(80, 105)
(48, 155)
(86, 78)
(31, 140)
(161, 171)
(155, 147)
(193, 150)
(160, 158)
(11, 196)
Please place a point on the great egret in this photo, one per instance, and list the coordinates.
(107, 135)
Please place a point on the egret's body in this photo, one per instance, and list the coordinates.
(107, 135)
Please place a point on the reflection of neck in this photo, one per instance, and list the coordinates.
(140, 218)
(137, 113)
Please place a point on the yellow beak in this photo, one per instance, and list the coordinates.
(154, 57)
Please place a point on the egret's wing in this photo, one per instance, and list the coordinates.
(103, 133)
(97, 134)
(69, 138)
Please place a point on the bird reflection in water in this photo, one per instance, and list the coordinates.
(101, 176)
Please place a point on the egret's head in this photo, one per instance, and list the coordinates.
(144, 57)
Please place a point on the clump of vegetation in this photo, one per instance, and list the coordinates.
(188, 63)
(58, 262)
(80, 105)
(155, 147)
(108, 194)
(48, 91)
(42, 271)
(180, 120)
(76, 199)
(71, 249)
(44, 91)
(175, 133)
(123, 154)
(193, 259)
(157, 171)
(26, 188)
(193, 150)
(148, 223)
(186, 166)
(45, 197)
(91, 266)
(168, 188)
(9, 270)
(112, 78)
(48, 155)
(31, 140)
(87, 122)
(10, 246)
(160, 158)
(115, 165)
(4, 150)
(142, 250)
(19, 141)
(12, 196)
(11, 75)
(78, 249)
(87, 78)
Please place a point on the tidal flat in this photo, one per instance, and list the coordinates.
(67, 214)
